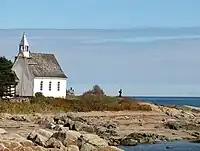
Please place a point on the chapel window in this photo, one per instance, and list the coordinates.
(50, 86)
(41, 85)
(58, 86)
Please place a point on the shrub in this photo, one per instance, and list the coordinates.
(95, 91)
(39, 94)
(98, 90)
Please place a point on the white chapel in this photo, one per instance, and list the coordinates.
(38, 72)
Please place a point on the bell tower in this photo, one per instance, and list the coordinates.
(24, 46)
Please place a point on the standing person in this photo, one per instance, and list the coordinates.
(71, 91)
(120, 93)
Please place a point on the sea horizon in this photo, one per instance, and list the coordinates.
(169, 100)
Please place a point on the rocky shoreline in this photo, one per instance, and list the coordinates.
(98, 131)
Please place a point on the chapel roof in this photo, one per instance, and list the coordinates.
(44, 65)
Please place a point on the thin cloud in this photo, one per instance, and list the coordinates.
(140, 39)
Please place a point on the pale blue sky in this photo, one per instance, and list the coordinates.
(98, 13)
(141, 62)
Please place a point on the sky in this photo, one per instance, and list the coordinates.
(98, 14)
(142, 61)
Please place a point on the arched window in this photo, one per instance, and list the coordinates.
(58, 86)
(41, 85)
(50, 86)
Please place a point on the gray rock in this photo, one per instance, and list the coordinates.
(87, 147)
(60, 122)
(78, 126)
(88, 128)
(67, 138)
(61, 128)
(20, 118)
(114, 140)
(174, 125)
(140, 138)
(183, 124)
(58, 127)
(66, 116)
(11, 145)
(72, 148)
(196, 134)
(13, 137)
(110, 125)
(105, 132)
(46, 122)
(129, 142)
(54, 143)
(89, 142)
(69, 123)
(64, 129)
(39, 136)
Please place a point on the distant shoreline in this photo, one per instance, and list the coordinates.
(169, 100)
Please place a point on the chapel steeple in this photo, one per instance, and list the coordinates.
(24, 46)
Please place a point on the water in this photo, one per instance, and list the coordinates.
(193, 101)
(173, 146)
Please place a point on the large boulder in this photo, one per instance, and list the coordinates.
(19, 146)
(54, 143)
(39, 136)
(89, 142)
(46, 122)
(67, 137)
(69, 115)
(129, 142)
(105, 132)
(73, 122)
(114, 140)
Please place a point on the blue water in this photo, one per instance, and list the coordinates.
(174, 146)
(193, 101)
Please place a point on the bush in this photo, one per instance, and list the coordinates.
(39, 97)
(39, 94)
(95, 91)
